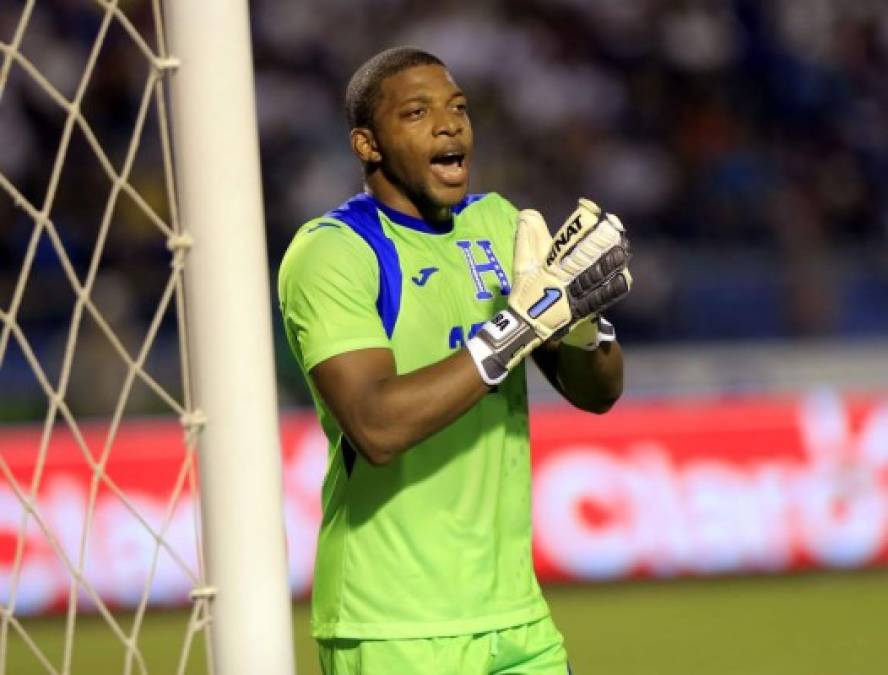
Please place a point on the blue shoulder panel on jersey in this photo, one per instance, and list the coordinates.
(470, 199)
(360, 214)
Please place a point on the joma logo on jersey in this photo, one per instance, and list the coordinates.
(490, 266)
(424, 275)
(563, 239)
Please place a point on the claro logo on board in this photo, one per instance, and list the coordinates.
(603, 514)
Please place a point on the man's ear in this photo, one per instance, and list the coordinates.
(364, 145)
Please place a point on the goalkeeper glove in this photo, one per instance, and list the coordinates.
(557, 282)
(589, 333)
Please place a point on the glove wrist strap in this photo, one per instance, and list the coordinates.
(500, 345)
(491, 370)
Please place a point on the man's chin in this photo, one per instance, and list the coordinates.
(446, 196)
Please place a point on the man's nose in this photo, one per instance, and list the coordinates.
(448, 123)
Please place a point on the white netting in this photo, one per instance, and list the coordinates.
(72, 245)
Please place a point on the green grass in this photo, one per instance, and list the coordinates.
(815, 624)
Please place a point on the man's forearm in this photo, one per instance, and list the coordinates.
(590, 380)
(392, 413)
(407, 409)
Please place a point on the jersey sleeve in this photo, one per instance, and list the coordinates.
(328, 285)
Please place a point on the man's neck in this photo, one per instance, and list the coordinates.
(395, 199)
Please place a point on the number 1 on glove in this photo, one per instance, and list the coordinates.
(557, 281)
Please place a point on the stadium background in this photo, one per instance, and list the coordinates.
(744, 143)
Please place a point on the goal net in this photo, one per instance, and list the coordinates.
(94, 336)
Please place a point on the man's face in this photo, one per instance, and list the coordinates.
(424, 136)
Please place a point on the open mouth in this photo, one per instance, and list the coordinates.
(450, 168)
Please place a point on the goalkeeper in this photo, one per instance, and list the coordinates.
(412, 308)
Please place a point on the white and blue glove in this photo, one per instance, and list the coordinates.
(557, 283)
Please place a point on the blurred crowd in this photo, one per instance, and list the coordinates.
(744, 143)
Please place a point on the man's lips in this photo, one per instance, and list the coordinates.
(450, 168)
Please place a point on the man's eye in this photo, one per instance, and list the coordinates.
(461, 107)
(414, 114)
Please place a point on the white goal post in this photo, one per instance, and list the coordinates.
(213, 285)
(229, 325)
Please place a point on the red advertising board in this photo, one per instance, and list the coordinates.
(668, 488)
(707, 487)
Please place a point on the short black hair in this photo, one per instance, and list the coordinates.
(363, 90)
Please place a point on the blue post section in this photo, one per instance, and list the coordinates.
(476, 269)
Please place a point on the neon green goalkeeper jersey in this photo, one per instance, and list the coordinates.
(438, 542)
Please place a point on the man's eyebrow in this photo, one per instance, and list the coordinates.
(420, 98)
(425, 98)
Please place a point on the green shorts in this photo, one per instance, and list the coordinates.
(534, 649)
